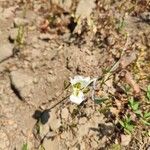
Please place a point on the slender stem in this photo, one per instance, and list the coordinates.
(58, 103)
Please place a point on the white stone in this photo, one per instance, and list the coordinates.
(65, 113)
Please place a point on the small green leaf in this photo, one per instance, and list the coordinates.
(66, 84)
(121, 123)
(126, 89)
(38, 127)
(115, 147)
(121, 24)
(138, 112)
(127, 131)
(100, 100)
(133, 104)
(127, 124)
(148, 92)
(136, 106)
(86, 90)
(129, 127)
(41, 147)
(25, 146)
(131, 101)
(145, 122)
(147, 115)
(127, 119)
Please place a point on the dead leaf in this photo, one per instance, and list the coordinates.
(44, 25)
(129, 79)
(118, 104)
(127, 60)
(114, 111)
(125, 139)
(133, 116)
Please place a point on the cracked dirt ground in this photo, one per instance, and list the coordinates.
(32, 74)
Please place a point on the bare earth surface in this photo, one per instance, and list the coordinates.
(37, 58)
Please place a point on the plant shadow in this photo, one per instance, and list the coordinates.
(42, 116)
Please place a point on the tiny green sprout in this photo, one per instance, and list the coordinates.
(134, 105)
(25, 146)
(148, 92)
(126, 123)
(121, 24)
(66, 84)
(38, 127)
(86, 90)
(100, 100)
(146, 133)
(41, 147)
(146, 118)
(115, 147)
(20, 36)
(126, 89)
(147, 115)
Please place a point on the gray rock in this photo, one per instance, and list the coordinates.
(6, 50)
(21, 83)
(20, 22)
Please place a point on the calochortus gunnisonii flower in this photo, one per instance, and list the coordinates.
(79, 85)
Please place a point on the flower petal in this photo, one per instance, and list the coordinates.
(76, 79)
(84, 81)
(77, 99)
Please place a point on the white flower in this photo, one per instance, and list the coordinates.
(79, 84)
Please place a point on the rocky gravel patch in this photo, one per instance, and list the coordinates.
(42, 45)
